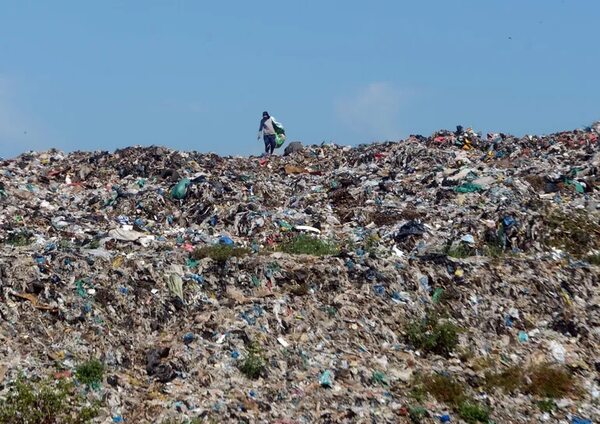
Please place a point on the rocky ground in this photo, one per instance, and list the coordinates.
(449, 277)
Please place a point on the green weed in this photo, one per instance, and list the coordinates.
(90, 373)
(453, 393)
(545, 380)
(473, 412)
(418, 393)
(459, 251)
(307, 245)
(493, 250)
(546, 405)
(576, 233)
(432, 335)
(371, 242)
(20, 238)
(445, 389)
(220, 252)
(417, 414)
(550, 381)
(509, 380)
(594, 259)
(254, 365)
(94, 244)
(45, 402)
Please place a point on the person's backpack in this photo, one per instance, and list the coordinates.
(279, 133)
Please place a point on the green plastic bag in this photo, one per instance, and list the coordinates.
(175, 284)
(578, 186)
(279, 140)
(279, 134)
(180, 189)
(437, 295)
(468, 188)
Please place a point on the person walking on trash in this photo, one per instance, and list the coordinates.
(267, 128)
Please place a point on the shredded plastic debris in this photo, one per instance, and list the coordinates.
(186, 273)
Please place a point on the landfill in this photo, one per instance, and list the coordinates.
(174, 270)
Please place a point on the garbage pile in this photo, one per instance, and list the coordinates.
(451, 278)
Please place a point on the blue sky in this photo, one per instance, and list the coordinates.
(195, 75)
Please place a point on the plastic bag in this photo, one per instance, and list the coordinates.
(279, 140)
(279, 133)
(180, 189)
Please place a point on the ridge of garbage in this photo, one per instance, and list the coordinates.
(301, 288)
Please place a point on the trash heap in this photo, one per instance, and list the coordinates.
(451, 278)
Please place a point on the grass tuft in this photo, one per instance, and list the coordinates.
(473, 412)
(459, 251)
(371, 242)
(93, 244)
(546, 405)
(90, 373)
(19, 238)
(576, 233)
(432, 335)
(445, 389)
(417, 414)
(550, 381)
(220, 252)
(509, 380)
(31, 402)
(453, 393)
(493, 250)
(254, 365)
(544, 380)
(303, 244)
(594, 259)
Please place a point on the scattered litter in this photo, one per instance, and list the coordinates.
(173, 268)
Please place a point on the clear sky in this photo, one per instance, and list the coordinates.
(196, 75)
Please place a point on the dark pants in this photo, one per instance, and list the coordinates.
(269, 143)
